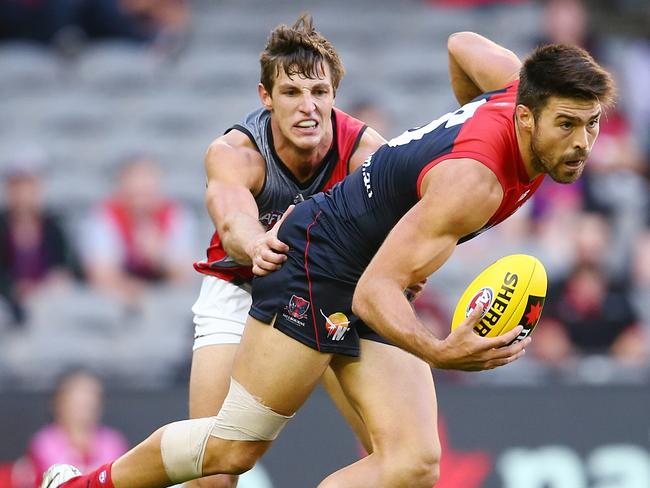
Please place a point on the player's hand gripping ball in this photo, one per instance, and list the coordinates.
(512, 291)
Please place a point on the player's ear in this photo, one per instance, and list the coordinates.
(525, 117)
(265, 97)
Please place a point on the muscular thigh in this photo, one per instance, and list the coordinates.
(210, 378)
(393, 392)
(280, 371)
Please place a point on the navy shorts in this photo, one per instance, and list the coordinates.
(311, 294)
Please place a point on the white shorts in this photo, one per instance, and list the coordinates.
(220, 313)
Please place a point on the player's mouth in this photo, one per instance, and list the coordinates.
(575, 163)
(307, 126)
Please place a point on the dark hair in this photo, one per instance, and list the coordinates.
(299, 49)
(562, 71)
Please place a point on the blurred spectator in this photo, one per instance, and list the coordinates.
(138, 236)
(640, 271)
(567, 22)
(587, 313)
(373, 115)
(635, 60)
(34, 250)
(18, 474)
(76, 435)
(592, 240)
(614, 183)
(555, 210)
(56, 20)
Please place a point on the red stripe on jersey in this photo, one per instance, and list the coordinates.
(311, 298)
(348, 133)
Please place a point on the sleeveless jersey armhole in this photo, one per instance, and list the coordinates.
(488, 163)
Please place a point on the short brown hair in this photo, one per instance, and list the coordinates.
(562, 71)
(299, 49)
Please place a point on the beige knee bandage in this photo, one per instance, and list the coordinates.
(183, 446)
(242, 417)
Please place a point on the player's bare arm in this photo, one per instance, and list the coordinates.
(459, 197)
(478, 65)
(370, 141)
(235, 173)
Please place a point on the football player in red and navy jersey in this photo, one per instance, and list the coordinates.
(338, 300)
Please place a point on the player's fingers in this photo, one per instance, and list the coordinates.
(268, 266)
(511, 350)
(257, 271)
(268, 256)
(473, 317)
(507, 338)
(277, 245)
(283, 218)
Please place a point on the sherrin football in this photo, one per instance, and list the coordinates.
(512, 290)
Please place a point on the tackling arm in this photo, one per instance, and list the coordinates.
(478, 65)
(416, 247)
(235, 172)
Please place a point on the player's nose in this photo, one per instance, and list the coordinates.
(581, 141)
(307, 103)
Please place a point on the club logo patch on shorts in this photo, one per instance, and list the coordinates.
(337, 325)
(296, 310)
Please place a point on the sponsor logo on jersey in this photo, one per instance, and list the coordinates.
(269, 219)
(484, 298)
(337, 325)
(102, 477)
(365, 172)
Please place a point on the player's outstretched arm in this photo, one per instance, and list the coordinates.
(234, 173)
(459, 197)
(370, 141)
(478, 65)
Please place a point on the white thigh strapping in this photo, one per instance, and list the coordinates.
(220, 313)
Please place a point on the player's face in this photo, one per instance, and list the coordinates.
(302, 108)
(562, 137)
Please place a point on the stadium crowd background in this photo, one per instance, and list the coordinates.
(108, 107)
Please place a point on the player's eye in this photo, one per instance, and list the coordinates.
(594, 123)
(566, 125)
